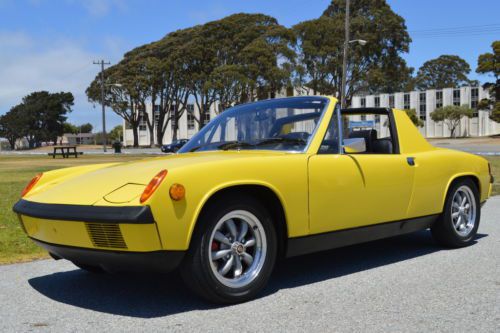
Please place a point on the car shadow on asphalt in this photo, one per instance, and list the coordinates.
(151, 296)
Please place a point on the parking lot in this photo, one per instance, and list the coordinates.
(400, 284)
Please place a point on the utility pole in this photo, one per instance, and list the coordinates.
(102, 63)
(344, 62)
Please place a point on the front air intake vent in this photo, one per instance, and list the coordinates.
(106, 235)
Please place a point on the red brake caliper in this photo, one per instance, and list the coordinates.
(215, 246)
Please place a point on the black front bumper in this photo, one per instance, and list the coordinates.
(85, 213)
(117, 261)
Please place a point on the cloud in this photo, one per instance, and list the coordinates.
(53, 64)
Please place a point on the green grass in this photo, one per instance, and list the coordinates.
(16, 171)
(495, 166)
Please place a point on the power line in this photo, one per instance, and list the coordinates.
(460, 31)
(455, 28)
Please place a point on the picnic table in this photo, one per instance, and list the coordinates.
(66, 151)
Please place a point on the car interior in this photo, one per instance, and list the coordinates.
(373, 126)
(373, 144)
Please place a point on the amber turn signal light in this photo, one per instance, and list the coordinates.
(177, 192)
(153, 185)
(31, 184)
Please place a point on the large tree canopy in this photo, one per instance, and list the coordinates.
(39, 117)
(489, 64)
(446, 71)
(374, 67)
(238, 58)
(13, 125)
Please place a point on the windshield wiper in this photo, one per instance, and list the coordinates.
(234, 144)
(280, 140)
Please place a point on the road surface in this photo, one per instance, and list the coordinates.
(401, 284)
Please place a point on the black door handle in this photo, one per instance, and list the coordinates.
(410, 160)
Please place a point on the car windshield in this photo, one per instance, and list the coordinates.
(279, 124)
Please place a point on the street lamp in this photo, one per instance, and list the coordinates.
(361, 42)
(346, 48)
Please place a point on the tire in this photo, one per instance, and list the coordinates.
(448, 231)
(89, 268)
(209, 278)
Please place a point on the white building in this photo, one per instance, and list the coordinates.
(77, 139)
(424, 102)
(188, 126)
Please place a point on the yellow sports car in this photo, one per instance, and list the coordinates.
(263, 180)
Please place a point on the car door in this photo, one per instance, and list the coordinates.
(354, 190)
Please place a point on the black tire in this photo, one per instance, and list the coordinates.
(89, 268)
(196, 270)
(443, 230)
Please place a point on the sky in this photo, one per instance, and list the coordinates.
(51, 44)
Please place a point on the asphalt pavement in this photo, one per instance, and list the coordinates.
(402, 284)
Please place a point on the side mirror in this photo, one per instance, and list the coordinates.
(354, 145)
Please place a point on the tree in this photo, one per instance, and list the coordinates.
(121, 99)
(42, 115)
(446, 71)
(86, 128)
(116, 134)
(239, 58)
(13, 125)
(320, 50)
(70, 128)
(412, 114)
(489, 64)
(451, 115)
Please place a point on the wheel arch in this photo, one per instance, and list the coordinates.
(263, 192)
(457, 177)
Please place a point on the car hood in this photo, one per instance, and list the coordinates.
(121, 183)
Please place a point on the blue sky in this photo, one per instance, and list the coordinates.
(50, 44)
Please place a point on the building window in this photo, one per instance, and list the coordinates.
(422, 105)
(172, 123)
(206, 118)
(439, 99)
(377, 101)
(406, 101)
(143, 124)
(474, 98)
(391, 101)
(363, 102)
(456, 97)
(190, 116)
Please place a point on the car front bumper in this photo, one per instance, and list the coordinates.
(117, 261)
(115, 238)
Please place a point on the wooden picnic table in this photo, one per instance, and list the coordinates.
(66, 151)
